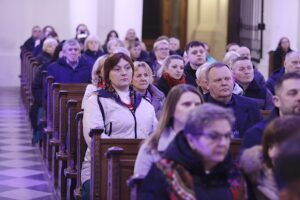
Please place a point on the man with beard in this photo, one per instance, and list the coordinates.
(220, 86)
(286, 102)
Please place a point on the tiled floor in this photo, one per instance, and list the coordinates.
(23, 175)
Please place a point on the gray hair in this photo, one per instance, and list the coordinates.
(204, 115)
(71, 42)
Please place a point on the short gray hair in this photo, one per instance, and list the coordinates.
(204, 115)
(71, 42)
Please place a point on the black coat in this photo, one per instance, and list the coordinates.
(190, 75)
(212, 186)
(246, 111)
(253, 136)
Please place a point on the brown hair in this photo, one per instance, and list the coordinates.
(112, 61)
(279, 130)
(166, 120)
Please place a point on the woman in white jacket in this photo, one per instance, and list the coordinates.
(179, 102)
(117, 109)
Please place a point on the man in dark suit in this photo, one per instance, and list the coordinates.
(220, 84)
(286, 102)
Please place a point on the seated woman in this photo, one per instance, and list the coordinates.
(282, 49)
(258, 162)
(110, 35)
(142, 83)
(117, 109)
(196, 164)
(92, 48)
(180, 101)
(172, 73)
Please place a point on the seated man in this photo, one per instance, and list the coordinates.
(243, 74)
(286, 102)
(196, 56)
(201, 79)
(34, 40)
(291, 64)
(71, 68)
(245, 52)
(220, 85)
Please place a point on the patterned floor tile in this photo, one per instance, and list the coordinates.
(19, 172)
(17, 155)
(16, 148)
(24, 194)
(23, 174)
(21, 182)
(18, 163)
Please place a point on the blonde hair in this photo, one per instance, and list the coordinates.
(91, 38)
(229, 57)
(97, 68)
(139, 64)
(47, 42)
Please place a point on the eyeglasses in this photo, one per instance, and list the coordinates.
(216, 137)
(163, 49)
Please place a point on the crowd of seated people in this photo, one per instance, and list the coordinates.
(154, 95)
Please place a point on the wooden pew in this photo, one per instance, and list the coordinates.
(81, 149)
(98, 186)
(70, 172)
(234, 148)
(265, 113)
(134, 182)
(59, 117)
(60, 157)
(53, 116)
(120, 168)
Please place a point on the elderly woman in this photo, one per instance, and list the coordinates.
(196, 164)
(117, 109)
(114, 44)
(172, 73)
(180, 101)
(92, 48)
(142, 83)
(44, 59)
(258, 162)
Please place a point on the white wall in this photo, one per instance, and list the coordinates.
(17, 17)
(282, 18)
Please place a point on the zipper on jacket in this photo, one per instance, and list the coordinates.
(135, 125)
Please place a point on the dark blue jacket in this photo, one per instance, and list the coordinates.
(163, 85)
(64, 73)
(190, 75)
(260, 79)
(92, 56)
(270, 84)
(246, 112)
(212, 186)
(29, 44)
(253, 136)
(260, 94)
